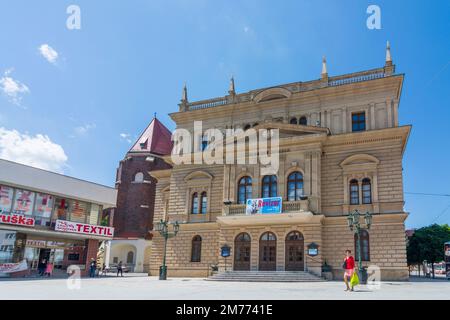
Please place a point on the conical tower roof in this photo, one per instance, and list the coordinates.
(156, 139)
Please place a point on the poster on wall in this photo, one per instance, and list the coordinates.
(6, 195)
(23, 202)
(264, 206)
(44, 205)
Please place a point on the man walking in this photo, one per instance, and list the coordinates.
(119, 269)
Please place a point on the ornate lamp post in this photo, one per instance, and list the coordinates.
(163, 228)
(355, 226)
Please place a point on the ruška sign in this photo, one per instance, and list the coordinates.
(17, 219)
(75, 227)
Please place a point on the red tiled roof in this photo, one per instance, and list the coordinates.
(156, 138)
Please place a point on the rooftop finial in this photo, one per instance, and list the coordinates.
(184, 97)
(154, 115)
(324, 66)
(388, 53)
(231, 89)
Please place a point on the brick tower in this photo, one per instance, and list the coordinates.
(133, 217)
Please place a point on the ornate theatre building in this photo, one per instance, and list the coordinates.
(340, 149)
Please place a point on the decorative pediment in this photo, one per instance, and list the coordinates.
(272, 94)
(360, 162)
(199, 177)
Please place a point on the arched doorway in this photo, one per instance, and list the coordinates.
(268, 252)
(242, 245)
(294, 252)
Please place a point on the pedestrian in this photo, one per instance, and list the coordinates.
(41, 267)
(349, 267)
(119, 269)
(92, 268)
(48, 269)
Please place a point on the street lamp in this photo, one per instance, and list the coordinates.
(163, 228)
(355, 226)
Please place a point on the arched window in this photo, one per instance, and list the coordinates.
(269, 186)
(303, 121)
(139, 177)
(195, 203)
(204, 202)
(268, 236)
(364, 243)
(366, 191)
(354, 192)
(196, 251)
(295, 186)
(294, 236)
(130, 257)
(293, 120)
(246, 127)
(244, 189)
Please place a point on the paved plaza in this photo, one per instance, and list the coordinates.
(139, 286)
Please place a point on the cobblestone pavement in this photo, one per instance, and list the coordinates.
(138, 286)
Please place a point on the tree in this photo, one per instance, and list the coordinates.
(427, 243)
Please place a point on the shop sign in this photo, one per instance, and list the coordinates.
(264, 205)
(13, 267)
(75, 227)
(17, 219)
(35, 243)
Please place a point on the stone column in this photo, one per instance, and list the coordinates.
(107, 252)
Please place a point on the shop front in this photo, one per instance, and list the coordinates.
(50, 219)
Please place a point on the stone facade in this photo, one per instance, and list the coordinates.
(319, 140)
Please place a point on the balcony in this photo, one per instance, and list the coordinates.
(288, 207)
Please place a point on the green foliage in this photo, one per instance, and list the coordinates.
(427, 243)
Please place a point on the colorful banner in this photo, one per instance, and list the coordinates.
(17, 219)
(264, 206)
(75, 227)
(13, 267)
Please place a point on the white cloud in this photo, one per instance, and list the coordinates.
(48, 53)
(82, 130)
(126, 137)
(37, 151)
(12, 89)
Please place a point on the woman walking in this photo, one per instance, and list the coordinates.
(349, 267)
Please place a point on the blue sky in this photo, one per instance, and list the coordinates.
(71, 94)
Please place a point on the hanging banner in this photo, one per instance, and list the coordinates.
(13, 267)
(264, 206)
(75, 227)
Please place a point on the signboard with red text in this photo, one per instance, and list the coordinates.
(17, 219)
(83, 228)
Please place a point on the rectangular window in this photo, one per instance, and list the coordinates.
(73, 256)
(358, 121)
(6, 198)
(43, 209)
(23, 202)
